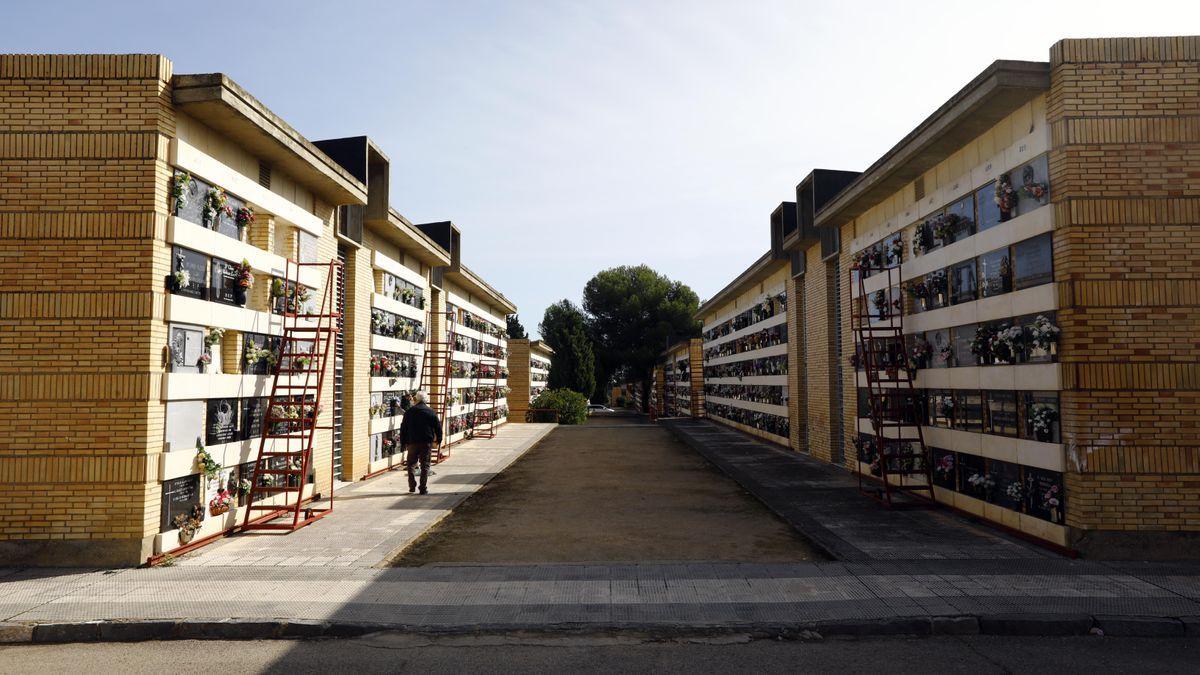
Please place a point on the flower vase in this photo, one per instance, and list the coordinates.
(239, 296)
(185, 536)
(202, 367)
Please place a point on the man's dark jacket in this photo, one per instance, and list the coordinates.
(420, 426)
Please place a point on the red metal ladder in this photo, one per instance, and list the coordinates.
(895, 413)
(293, 407)
(436, 369)
(488, 383)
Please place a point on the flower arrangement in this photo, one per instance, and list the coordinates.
(918, 290)
(982, 481)
(1006, 344)
(180, 189)
(188, 523)
(981, 343)
(181, 278)
(1042, 417)
(1015, 491)
(301, 361)
(855, 360)
(213, 336)
(243, 486)
(922, 239)
(880, 300)
(243, 217)
(946, 406)
(944, 227)
(936, 281)
(256, 354)
(944, 467)
(1030, 187)
(245, 277)
(220, 503)
(286, 411)
(204, 360)
(1050, 500)
(945, 353)
(1005, 197)
(920, 353)
(276, 288)
(207, 464)
(1042, 333)
(895, 252)
(216, 204)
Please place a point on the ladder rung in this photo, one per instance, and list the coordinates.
(274, 507)
(278, 472)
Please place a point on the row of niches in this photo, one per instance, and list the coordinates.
(187, 501)
(1030, 490)
(208, 205)
(771, 394)
(1012, 268)
(402, 290)
(1018, 192)
(207, 422)
(1028, 415)
(390, 403)
(467, 421)
(392, 365)
(535, 362)
(477, 395)
(766, 308)
(470, 345)
(767, 337)
(391, 325)
(477, 323)
(195, 349)
(539, 377)
(776, 425)
(473, 371)
(203, 277)
(1032, 338)
(384, 445)
(765, 366)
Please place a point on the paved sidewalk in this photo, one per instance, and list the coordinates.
(373, 518)
(824, 503)
(1039, 596)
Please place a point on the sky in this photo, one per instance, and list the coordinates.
(567, 137)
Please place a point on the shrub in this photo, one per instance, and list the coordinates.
(570, 405)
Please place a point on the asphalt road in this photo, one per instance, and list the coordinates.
(396, 653)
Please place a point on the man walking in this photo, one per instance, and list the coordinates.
(419, 432)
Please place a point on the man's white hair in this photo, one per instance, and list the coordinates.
(419, 396)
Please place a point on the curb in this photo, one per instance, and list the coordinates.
(1025, 625)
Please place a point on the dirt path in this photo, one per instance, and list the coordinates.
(614, 490)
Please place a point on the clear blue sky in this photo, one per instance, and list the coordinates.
(567, 137)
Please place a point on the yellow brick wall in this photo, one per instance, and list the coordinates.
(1125, 124)
(818, 279)
(356, 395)
(82, 203)
(518, 378)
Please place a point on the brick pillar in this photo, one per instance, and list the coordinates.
(231, 352)
(262, 232)
(518, 379)
(1125, 143)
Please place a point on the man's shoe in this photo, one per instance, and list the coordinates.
(412, 490)
(424, 492)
